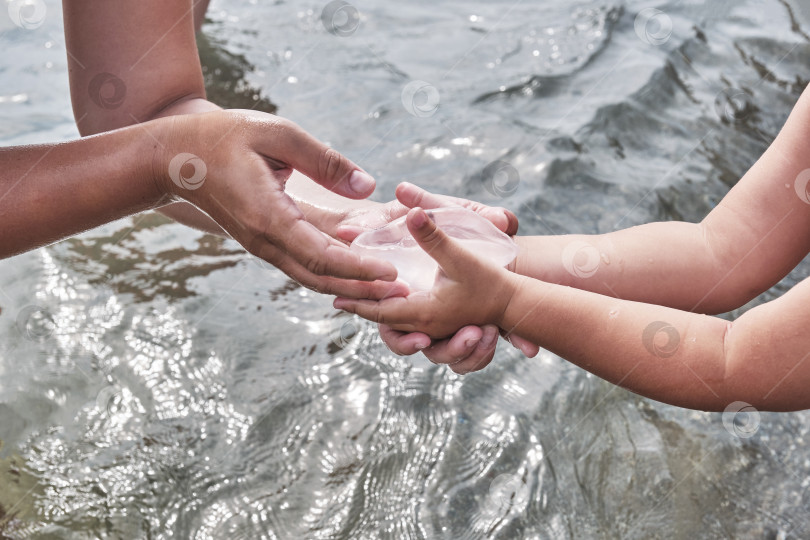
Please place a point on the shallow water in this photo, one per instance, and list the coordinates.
(160, 383)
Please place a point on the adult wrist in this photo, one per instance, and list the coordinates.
(158, 142)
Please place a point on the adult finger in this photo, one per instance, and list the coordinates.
(326, 166)
(398, 311)
(323, 255)
(403, 343)
(327, 284)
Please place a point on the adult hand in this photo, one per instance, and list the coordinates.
(233, 165)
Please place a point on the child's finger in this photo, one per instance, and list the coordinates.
(413, 196)
(482, 355)
(404, 343)
(525, 346)
(528, 348)
(449, 254)
(455, 349)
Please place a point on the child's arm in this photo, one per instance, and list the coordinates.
(753, 238)
(680, 358)
(345, 219)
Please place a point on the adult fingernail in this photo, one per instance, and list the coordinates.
(361, 182)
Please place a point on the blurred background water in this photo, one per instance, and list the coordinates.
(156, 382)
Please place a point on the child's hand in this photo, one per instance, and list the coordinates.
(472, 347)
(468, 290)
(373, 216)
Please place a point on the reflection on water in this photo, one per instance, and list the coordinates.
(150, 257)
(224, 76)
(156, 382)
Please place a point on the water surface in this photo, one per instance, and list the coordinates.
(156, 382)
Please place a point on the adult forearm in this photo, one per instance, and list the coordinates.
(129, 60)
(49, 192)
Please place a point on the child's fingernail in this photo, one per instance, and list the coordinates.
(361, 182)
(420, 219)
(470, 343)
(489, 338)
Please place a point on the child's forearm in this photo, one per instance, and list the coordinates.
(661, 263)
(680, 363)
(49, 192)
(680, 358)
